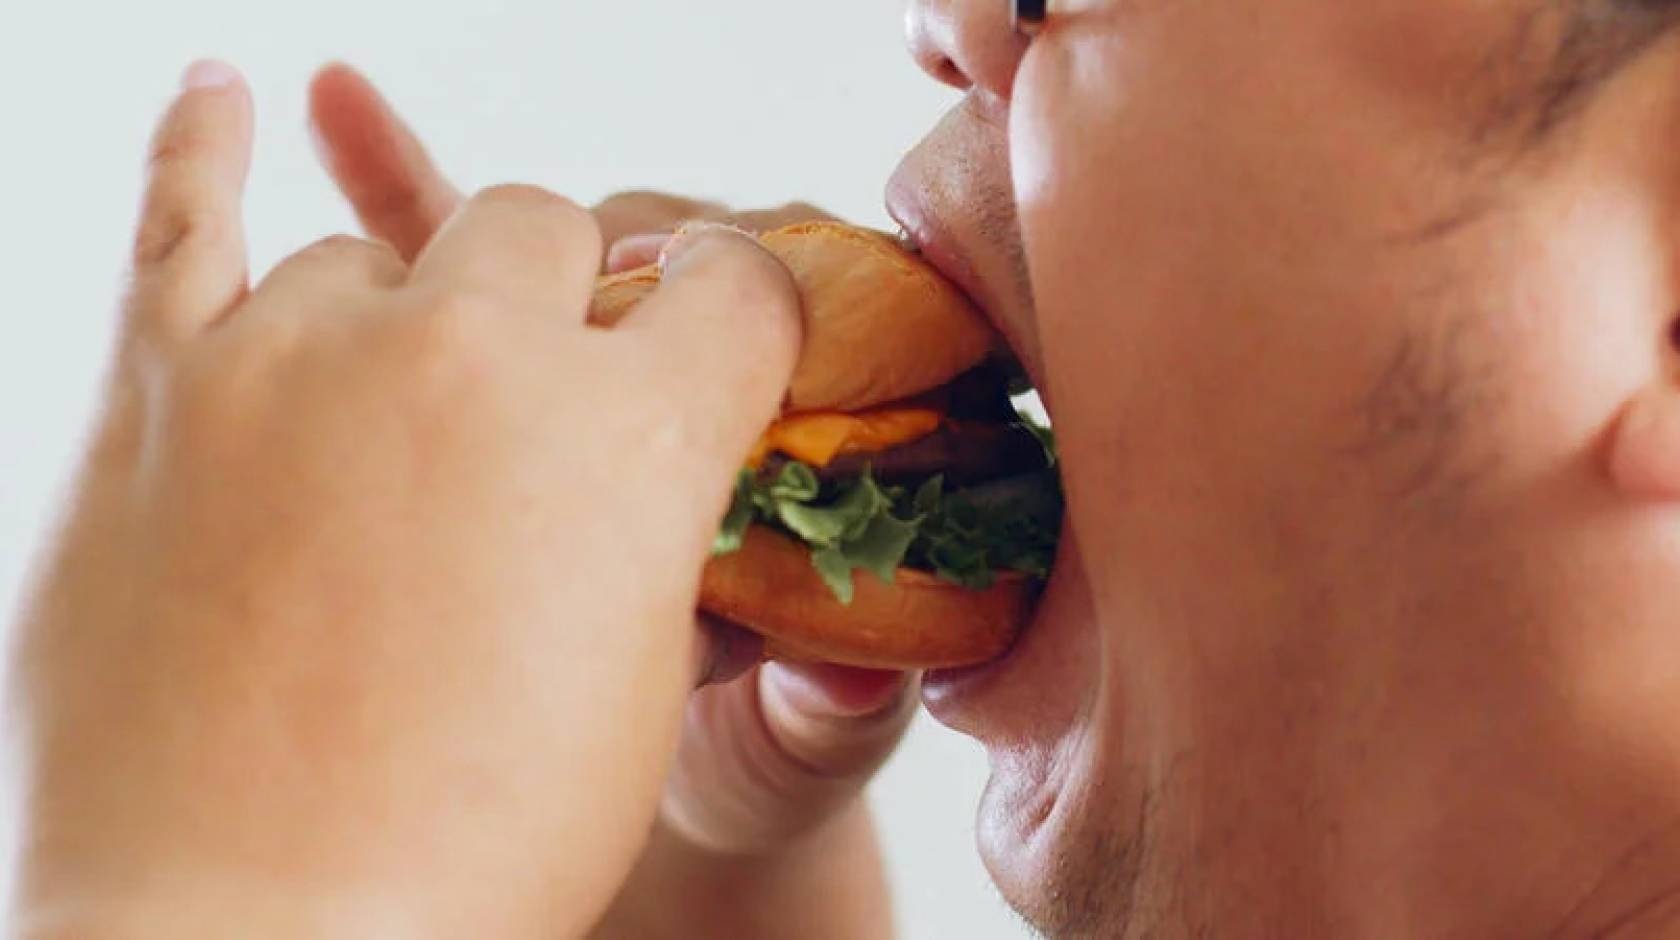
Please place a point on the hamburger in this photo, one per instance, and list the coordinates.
(901, 513)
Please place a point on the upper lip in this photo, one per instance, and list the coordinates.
(907, 207)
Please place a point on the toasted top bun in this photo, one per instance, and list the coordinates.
(864, 297)
(917, 622)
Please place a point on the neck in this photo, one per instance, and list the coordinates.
(1546, 828)
(1584, 858)
(1509, 795)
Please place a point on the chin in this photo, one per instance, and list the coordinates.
(1061, 825)
(1022, 817)
(1051, 846)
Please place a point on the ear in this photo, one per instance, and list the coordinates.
(1645, 444)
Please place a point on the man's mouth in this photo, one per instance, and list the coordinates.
(920, 232)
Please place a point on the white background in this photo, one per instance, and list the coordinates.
(748, 101)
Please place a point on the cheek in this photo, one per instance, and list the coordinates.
(1159, 265)
(1583, 310)
(1062, 129)
(1225, 261)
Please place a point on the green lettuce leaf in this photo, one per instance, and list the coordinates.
(796, 483)
(844, 520)
(836, 571)
(740, 515)
(965, 536)
(882, 545)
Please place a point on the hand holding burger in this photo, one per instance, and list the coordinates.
(770, 768)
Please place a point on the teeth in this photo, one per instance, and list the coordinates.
(907, 242)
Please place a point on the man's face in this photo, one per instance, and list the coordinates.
(1333, 303)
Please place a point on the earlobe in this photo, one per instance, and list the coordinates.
(1645, 445)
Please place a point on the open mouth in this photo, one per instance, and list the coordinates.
(901, 512)
(920, 233)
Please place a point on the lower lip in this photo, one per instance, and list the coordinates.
(945, 690)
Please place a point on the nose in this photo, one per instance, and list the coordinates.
(966, 43)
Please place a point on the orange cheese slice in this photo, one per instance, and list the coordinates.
(817, 437)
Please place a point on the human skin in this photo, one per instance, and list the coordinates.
(312, 651)
(762, 824)
(1368, 627)
(1361, 359)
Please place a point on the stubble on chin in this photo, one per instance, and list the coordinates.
(1104, 878)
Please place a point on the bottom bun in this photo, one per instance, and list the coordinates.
(917, 622)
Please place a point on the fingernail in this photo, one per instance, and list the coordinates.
(208, 73)
(633, 251)
(687, 236)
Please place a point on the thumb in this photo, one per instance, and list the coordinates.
(773, 756)
(835, 721)
(724, 325)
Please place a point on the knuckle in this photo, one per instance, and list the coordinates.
(652, 202)
(630, 199)
(333, 249)
(641, 211)
(380, 256)
(521, 195)
(178, 148)
(336, 256)
(538, 199)
(315, 252)
(165, 231)
(572, 226)
(339, 244)
(387, 262)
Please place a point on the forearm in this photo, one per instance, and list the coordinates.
(212, 905)
(151, 906)
(147, 854)
(830, 884)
